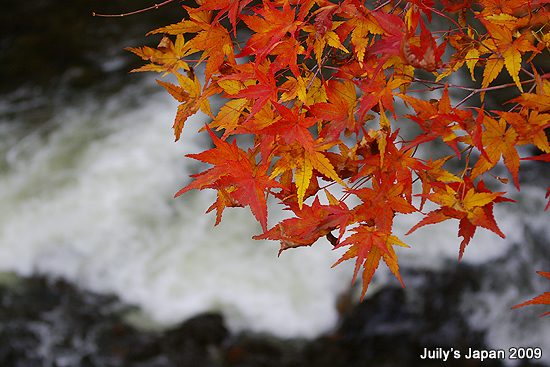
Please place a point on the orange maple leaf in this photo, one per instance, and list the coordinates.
(189, 94)
(535, 101)
(530, 129)
(498, 141)
(382, 201)
(507, 51)
(436, 119)
(248, 185)
(369, 245)
(339, 111)
(543, 299)
(310, 223)
(462, 200)
(215, 44)
(270, 28)
(491, 7)
(166, 58)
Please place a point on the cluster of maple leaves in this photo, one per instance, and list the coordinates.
(313, 83)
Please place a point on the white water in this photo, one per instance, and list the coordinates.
(89, 197)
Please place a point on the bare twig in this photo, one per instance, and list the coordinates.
(156, 6)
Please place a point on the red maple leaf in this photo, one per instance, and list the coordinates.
(369, 245)
(339, 111)
(462, 200)
(436, 119)
(249, 185)
(270, 29)
(382, 201)
(310, 223)
(543, 299)
(230, 7)
(265, 90)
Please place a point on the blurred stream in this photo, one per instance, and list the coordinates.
(88, 170)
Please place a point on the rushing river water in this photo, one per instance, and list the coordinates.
(86, 194)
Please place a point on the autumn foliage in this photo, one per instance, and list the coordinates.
(337, 100)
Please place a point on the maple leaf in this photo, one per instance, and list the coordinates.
(199, 21)
(345, 163)
(434, 173)
(491, 7)
(229, 116)
(230, 7)
(292, 127)
(293, 88)
(300, 231)
(270, 29)
(224, 198)
(369, 245)
(468, 52)
(436, 119)
(391, 161)
(166, 58)
(535, 101)
(382, 201)
(378, 90)
(530, 128)
(265, 90)
(423, 52)
(250, 185)
(287, 51)
(310, 224)
(493, 67)
(378, 22)
(297, 157)
(498, 141)
(191, 98)
(322, 34)
(216, 45)
(339, 112)
(507, 52)
(543, 299)
(462, 200)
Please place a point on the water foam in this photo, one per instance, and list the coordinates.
(89, 198)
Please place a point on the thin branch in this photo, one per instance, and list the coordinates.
(156, 6)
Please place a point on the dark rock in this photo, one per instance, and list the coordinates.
(51, 43)
(52, 323)
(46, 323)
(249, 349)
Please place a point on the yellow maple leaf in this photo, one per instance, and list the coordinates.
(363, 27)
(229, 115)
(297, 157)
(498, 141)
(493, 67)
(509, 49)
(166, 58)
(191, 97)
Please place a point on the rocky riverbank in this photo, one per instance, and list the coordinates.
(52, 323)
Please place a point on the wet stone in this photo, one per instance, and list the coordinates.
(47, 323)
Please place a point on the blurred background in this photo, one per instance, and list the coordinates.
(101, 266)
